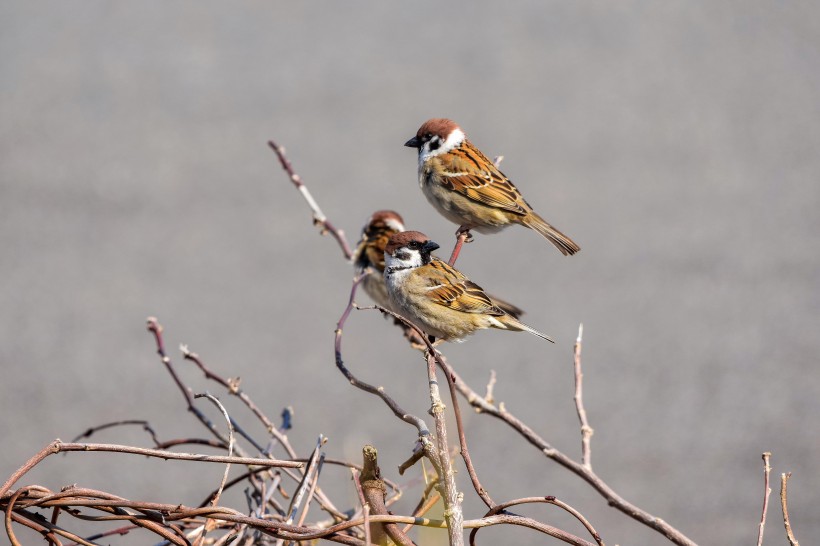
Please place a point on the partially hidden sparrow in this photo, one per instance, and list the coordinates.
(469, 190)
(369, 256)
(435, 296)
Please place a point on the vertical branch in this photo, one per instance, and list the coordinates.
(452, 499)
(373, 489)
(766, 471)
(586, 430)
(784, 504)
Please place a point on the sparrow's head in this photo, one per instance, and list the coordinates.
(436, 136)
(382, 225)
(408, 249)
(381, 222)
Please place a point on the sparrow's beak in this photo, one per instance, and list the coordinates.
(413, 143)
(429, 246)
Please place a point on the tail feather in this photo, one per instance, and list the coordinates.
(567, 246)
(512, 323)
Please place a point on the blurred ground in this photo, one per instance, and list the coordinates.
(677, 142)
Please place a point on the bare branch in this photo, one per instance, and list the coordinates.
(784, 505)
(365, 507)
(586, 430)
(319, 217)
(766, 471)
(209, 524)
(58, 446)
(146, 426)
(373, 490)
(546, 500)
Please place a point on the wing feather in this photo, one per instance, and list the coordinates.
(469, 172)
(450, 288)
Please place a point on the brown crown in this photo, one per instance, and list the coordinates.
(442, 127)
(403, 239)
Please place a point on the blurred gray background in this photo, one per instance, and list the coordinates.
(677, 142)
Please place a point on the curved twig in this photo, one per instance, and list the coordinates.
(417, 422)
(546, 500)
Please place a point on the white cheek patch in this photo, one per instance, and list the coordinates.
(403, 259)
(453, 140)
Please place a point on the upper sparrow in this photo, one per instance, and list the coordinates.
(436, 297)
(369, 256)
(468, 189)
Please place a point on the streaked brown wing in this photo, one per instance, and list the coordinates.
(370, 251)
(452, 289)
(469, 172)
(375, 250)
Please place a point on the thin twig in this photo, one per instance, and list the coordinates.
(766, 471)
(513, 519)
(209, 524)
(784, 504)
(311, 489)
(58, 446)
(462, 438)
(546, 500)
(218, 404)
(429, 498)
(311, 468)
(365, 506)
(146, 426)
(319, 217)
(586, 430)
(489, 394)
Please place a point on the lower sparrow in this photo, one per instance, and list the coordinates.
(436, 297)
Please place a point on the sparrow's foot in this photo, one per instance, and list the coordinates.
(463, 235)
(463, 232)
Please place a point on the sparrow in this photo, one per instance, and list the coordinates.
(369, 256)
(469, 190)
(435, 296)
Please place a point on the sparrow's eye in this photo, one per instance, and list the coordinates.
(427, 136)
(413, 245)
